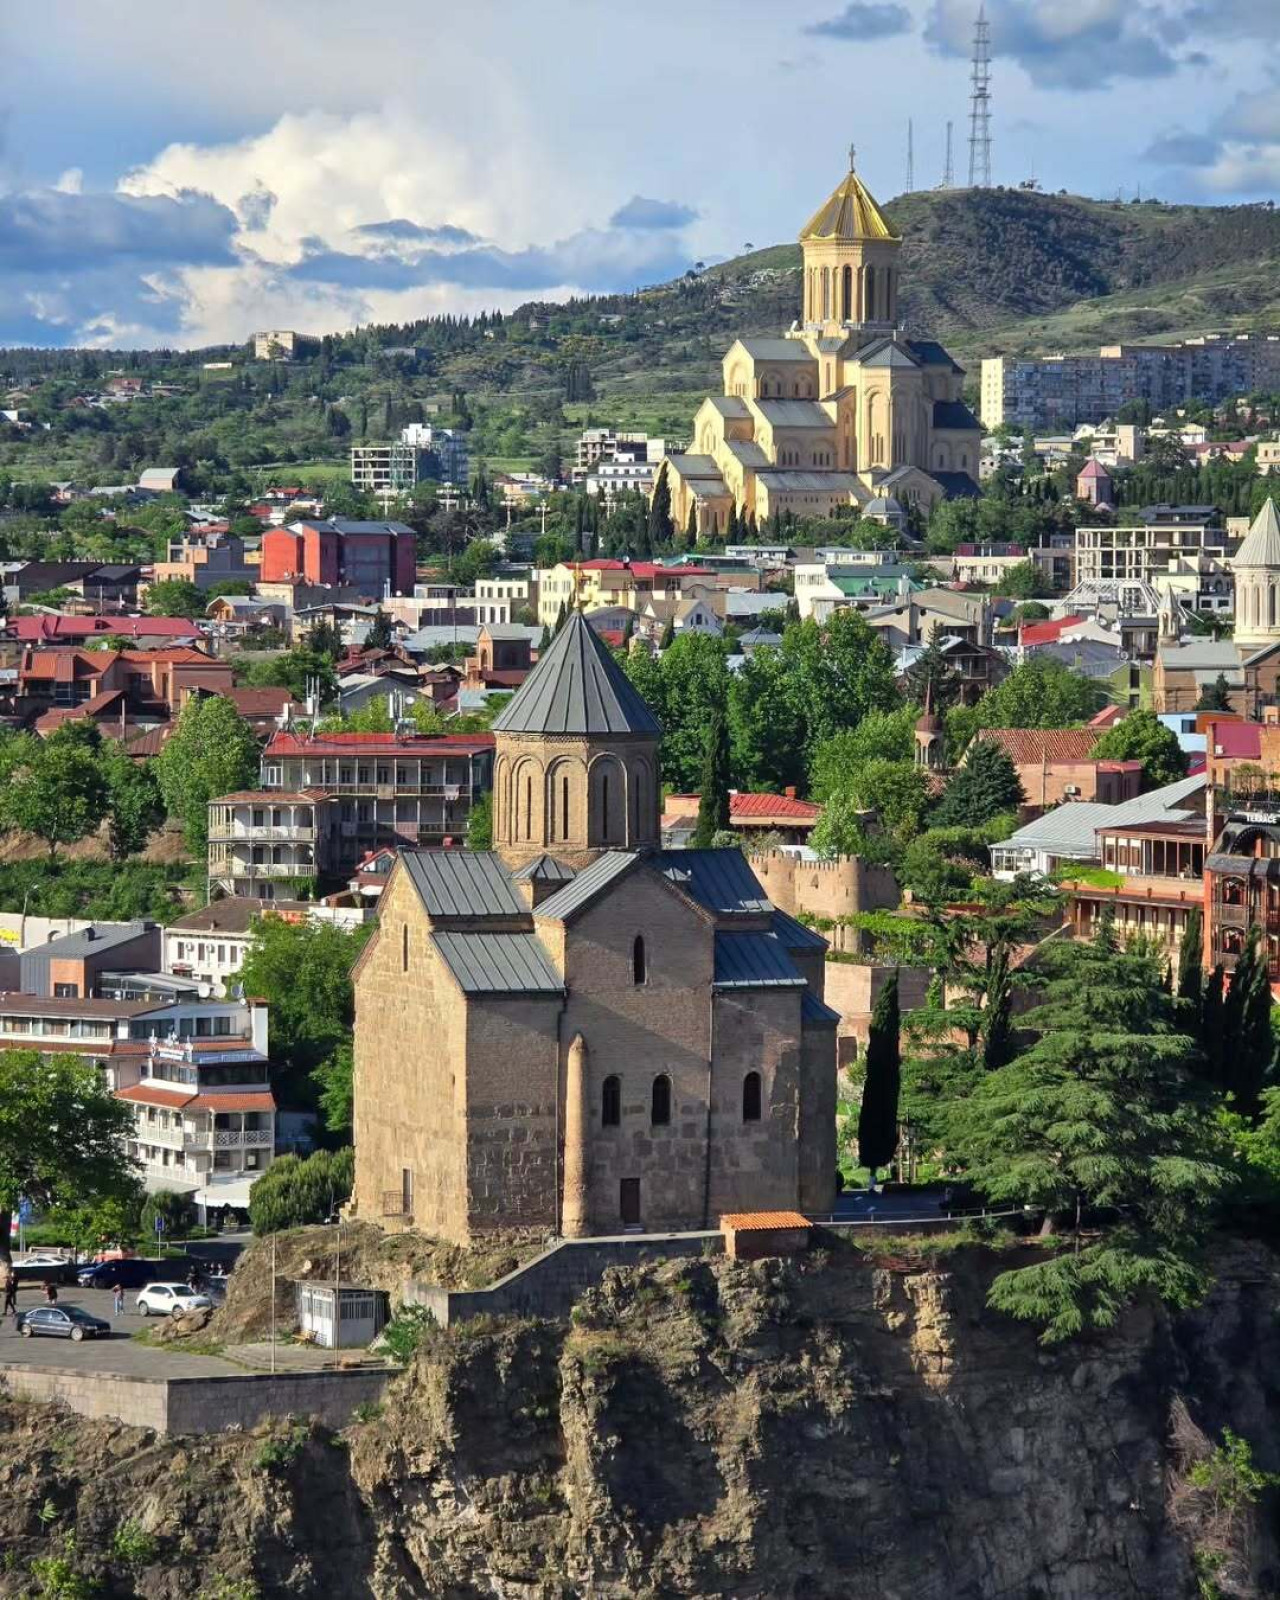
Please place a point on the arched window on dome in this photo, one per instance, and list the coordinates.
(660, 1101)
(751, 1097)
(564, 807)
(1271, 605)
(528, 807)
(846, 295)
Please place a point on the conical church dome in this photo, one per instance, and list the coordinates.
(848, 214)
(577, 688)
(1261, 547)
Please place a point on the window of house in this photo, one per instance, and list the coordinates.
(611, 1101)
(660, 1101)
(66, 991)
(639, 973)
(404, 947)
(751, 1097)
(406, 1190)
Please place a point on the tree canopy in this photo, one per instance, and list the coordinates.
(212, 751)
(1141, 736)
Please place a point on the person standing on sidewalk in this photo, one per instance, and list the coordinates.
(10, 1292)
(118, 1300)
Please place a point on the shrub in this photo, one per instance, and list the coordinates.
(295, 1191)
(403, 1335)
(282, 1448)
(132, 1544)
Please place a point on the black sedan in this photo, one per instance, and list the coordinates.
(62, 1322)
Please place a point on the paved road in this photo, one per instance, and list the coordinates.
(121, 1353)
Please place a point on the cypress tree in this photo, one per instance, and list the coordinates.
(1246, 1026)
(985, 787)
(713, 800)
(660, 529)
(691, 526)
(668, 634)
(545, 640)
(1190, 967)
(997, 1011)
(1211, 1025)
(878, 1114)
(562, 616)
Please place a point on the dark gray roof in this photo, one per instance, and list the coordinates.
(953, 414)
(931, 353)
(590, 882)
(957, 485)
(498, 963)
(544, 869)
(463, 883)
(96, 937)
(887, 354)
(720, 880)
(775, 349)
(754, 961)
(794, 935)
(577, 688)
(815, 1013)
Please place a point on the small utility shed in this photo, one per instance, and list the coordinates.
(751, 1235)
(361, 1314)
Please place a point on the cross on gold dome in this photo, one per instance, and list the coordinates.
(851, 156)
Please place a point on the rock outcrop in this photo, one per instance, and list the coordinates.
(833, 1429)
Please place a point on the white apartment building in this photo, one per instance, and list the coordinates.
(1145, 553)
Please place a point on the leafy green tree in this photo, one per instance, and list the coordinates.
(480, 824)
(668, 633)
(683, 688)
(63, 1135)
(303, 971)
(1041, 693)
(1022, 582)
(1213, 1043)
(1098, 1119)
(56, 790)
(881, 736)
(940, 865)
(896, 791)
(986, 786)
(713, 795)
(931, 679)
(878, 1114)
(295, 1191)
(1141, 736)
(176, 597)
(135, 806)
(177, 1212)
(212, 751)
(296, 670)
(335, 1078)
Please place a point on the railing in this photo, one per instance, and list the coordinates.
(229, 1138)
(224, 832)
(393, 1203)
(236, 868)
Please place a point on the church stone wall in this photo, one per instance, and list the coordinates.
(410, 1057)
(817, 1141)
(637, 1032)
(755, 1165)
(512, 1072)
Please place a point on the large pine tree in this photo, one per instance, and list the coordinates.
(878, 1114)
(1099, 1122)
(1246, 1025)
(986, 786)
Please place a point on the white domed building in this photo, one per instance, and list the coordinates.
(1256, 567)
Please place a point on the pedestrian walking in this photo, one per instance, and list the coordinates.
(10, 1295)
(51, 1291)
(118, 1300)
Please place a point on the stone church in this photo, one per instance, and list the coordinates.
(842, 409)
(578, 1030)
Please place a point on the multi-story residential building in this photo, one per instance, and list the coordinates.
(327, 799)
(445, 450)
(208, 558)
(1268, 456)
(1150, 549)
(1060, 391)
(153, 684)
(275, 344)
(612, 478)
(606, 582)
(597, 446)
(376, 557)
(1242, 883)
(517, 586)
(388, 468)
(75, 965)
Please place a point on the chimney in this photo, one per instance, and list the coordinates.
(790, 791)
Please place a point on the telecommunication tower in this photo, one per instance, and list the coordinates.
(980, 105)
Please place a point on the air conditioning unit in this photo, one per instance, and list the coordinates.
(1071, 789)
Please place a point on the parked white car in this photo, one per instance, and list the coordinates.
(163, 1299)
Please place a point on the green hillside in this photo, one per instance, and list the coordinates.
(986, 271)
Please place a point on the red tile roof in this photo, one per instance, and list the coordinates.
(156, 1097)
(260, 702)
(1107, 717)
(753, 1221)
(772, 805)
(51, 629)
(1047, 632)
(338, 744)
(264, 1100)
(1093, 468)
(1027, 745)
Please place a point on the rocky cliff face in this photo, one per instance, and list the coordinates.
(828, 1429)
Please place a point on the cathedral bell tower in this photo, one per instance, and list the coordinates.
(576, 758)
(850, 263)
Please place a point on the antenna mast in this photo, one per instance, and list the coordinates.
(980, 105)
(911, 158)
(949, 171)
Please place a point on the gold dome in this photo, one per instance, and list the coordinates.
(848, 214)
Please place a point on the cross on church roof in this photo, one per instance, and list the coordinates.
(852, 153)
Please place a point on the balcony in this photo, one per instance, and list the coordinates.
(221, 832)
(235, 868)
(246, 1138)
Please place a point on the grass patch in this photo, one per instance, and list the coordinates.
(192, 1346)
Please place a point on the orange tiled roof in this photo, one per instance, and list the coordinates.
(773, 805)
(155, 1097)
(262, 1101)
(1027, 745)
(753, 1221)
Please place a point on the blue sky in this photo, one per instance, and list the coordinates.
(174, 174)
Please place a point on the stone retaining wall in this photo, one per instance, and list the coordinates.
(548, 1285)
(198, 1405)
